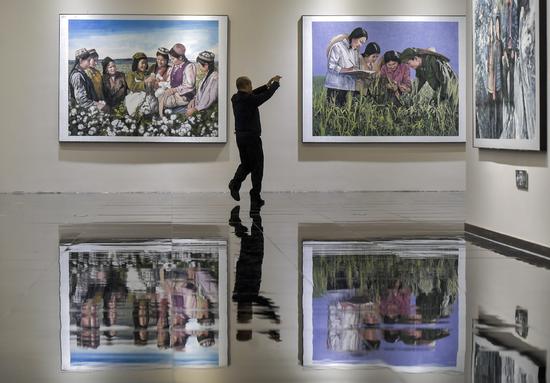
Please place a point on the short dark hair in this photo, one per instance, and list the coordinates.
(392, 56)
(242, 82)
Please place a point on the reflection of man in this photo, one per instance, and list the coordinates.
(432, 68)
(249, 276)
(510, 33)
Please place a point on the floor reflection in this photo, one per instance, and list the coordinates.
(147, 303)
(397, 303)
(248, 278)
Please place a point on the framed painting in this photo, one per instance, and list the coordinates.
(143, 304)
(137, 78)
(383, 79)
(496, 361)
(396, 303)
(509, 74)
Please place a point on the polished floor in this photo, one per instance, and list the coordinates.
(315, 287)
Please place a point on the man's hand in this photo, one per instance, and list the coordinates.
(273, 79)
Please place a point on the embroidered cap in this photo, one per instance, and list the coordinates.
(206, 57)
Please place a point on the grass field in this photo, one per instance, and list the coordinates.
(417, 114)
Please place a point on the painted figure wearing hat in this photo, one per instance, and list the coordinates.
(94, 74)
(160, 67)
(114, 83)
(432, 68)
(138, 79)
(207, 92)
(80, 85)
(183, 76)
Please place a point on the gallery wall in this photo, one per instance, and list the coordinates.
(492, 200)
(264, 39)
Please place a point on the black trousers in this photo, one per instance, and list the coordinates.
(252, 162)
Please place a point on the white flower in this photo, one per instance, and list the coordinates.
(191, 119)
(168, 111)
(141, 130)
(80, 133)
(115, 122)
(173, 117)
(80, 127)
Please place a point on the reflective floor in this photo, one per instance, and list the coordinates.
(315, 287)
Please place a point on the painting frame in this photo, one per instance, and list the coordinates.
(308, 135)
(136, 358)
(537, 126)
(214, 119)
(327, 248)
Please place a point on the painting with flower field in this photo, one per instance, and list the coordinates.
(125, 78)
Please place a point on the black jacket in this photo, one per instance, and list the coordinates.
(245, 109)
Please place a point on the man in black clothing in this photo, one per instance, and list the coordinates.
(248, 131)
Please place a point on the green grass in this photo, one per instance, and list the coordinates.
(418, 114)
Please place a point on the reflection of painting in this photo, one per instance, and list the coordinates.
(383, 79)
(396, 303)
(154, 304)
(143, 78)
(509, 65)
(494, 362)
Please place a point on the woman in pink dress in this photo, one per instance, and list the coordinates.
(395, 75)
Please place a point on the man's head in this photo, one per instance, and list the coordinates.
(410, 57)
(244, 84)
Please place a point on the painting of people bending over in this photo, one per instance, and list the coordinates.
(143, 78)
(383, 79)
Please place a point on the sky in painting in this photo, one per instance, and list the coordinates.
(120, 39)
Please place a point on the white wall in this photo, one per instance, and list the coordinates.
(492, 199)
(263, 41)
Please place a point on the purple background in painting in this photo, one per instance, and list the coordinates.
(390, 35)
(444, 354)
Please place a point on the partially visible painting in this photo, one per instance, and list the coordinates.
(509, 74)
(154, 304)
(494, 361)
(396, 303)
(135, 78)
(383, 79)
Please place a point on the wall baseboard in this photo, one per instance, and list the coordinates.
(530, 252)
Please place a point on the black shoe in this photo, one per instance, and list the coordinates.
(234, 191)
(257, 202)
